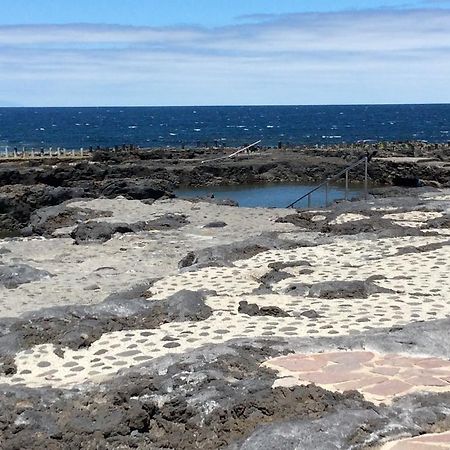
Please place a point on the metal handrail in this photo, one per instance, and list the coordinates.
(327, 181)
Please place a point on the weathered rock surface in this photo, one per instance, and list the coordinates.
(213, 392)
(337, 289)
(12, 276)
(153, 174)
(103, 231)
(78, 327)
(252, 309)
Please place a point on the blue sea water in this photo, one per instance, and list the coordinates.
(231, 126)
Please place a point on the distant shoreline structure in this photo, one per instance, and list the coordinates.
(213, 153)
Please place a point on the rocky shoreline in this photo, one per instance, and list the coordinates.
(133, 319)
(28, 185)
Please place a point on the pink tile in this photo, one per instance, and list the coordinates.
(414, 372)
(401, 361)
(389, 356)
(386, 370)
(426, 381)
(361, 384)
(351, 357)
(442, 377)
(298, 364)
(411, 445)
(332, 377)
(436, 438)
(432, 363)
(389, 388)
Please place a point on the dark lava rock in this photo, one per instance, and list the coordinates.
(186, 306)
(422, 248)
(407, 181)
(252, 309)
(100, 231)
(215, 225)
(269, 279)
(296, 219)
(7, 365)
(103, 231)
(136, 189)
(220, 396)
(167, 222)
(225, 254)
(310, 314)
(289, 264)
(201, 402)
(46, 220)
(189, 260)
(337, 289)
(274, 276)
(17, 202)
(12, 276)
(79, 327)
(383, 227)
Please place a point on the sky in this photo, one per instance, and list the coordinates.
(223, 52)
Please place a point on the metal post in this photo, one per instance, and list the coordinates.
(309, 200)
(6, 151)
(346, 185)
(366, 176)
(326, 194)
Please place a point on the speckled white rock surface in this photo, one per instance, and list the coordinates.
(87, 274)
(414, 285)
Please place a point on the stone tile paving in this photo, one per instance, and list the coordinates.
(419, 291)
(380, 378)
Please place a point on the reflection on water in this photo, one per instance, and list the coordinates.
(272, 196)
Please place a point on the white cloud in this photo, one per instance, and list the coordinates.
(346, 57)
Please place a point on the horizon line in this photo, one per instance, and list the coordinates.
(250, 105)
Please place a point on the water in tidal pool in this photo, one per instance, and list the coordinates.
(272, 195)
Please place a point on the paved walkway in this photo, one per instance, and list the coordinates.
(427, 442)
(380, 378)
(346, 285)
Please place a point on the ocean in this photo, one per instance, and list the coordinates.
(220, 125)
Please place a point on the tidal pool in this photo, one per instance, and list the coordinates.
(272, 195)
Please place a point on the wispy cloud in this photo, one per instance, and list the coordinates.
(355, 56)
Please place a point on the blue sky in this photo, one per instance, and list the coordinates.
(174, 12)
(200, 52)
